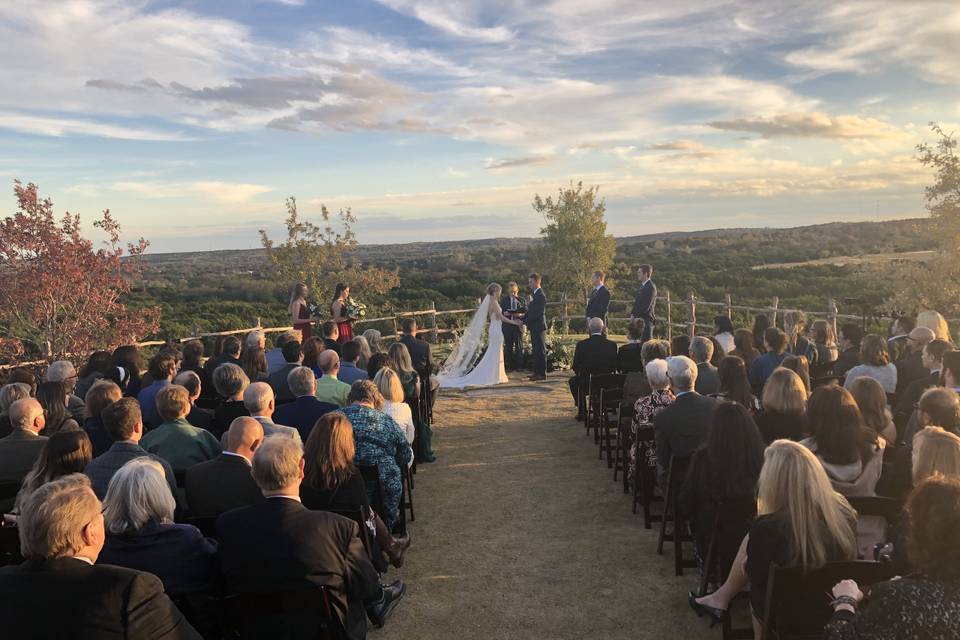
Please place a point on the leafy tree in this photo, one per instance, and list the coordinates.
(943, 196)
(319, 255)
(575, 238)
(59, 290)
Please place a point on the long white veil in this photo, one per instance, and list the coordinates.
(464, 356)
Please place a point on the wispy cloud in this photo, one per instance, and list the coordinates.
(812, 125)
(58, 127)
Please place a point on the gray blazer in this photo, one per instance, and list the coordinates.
(102, 468)
(269, 428)
(18, 452)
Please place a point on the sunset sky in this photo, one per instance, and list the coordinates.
(440, 119)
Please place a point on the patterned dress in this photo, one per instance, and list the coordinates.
(381, 442)
(645, 409)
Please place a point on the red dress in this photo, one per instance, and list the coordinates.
(305, 328)
(345, 328)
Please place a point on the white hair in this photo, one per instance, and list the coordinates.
(596, 325)
(682, 372)
(373, 339)
(60, 370)
(701, 349)
(255, 338)
(137, 495)
(657, 374)
(276, 462)
(10, 393)
(257, 397)
(24, 412)
(302, 381)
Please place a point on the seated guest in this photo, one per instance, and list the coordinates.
(331, 335)
(775, 342)
(784, 407)
(723, 332)
(350, 370)
(701, 352)
(21, 449)
(935, 453)
(141, 534)
(718, 352)
(761, 322)
(162, 368)
(24, 376)
(378, 361)
(645, 408)
(935, 322)
(198, 416)
(97, 365)
(259, 401)
(876, 364)
(312, 348)
(900, 328)
(329, 387)
(120, 377)
(727, 467)
(229, 353)
(331, 482)
(872, 402)
(9, 394)
(380, 442)
(910, 365)
(305, 410)
(629, 359)
(800, 366)
(176, 440)
(595, 355)
(636, 385)
(822, 351)
(802, 522)
(64, 371)
(192, 357)
(253, 361)
(53, 397)
(682, 427)
(65, 452)
(680, 345)
(925, 604)
(795, 326)
(849, 356)
(225, 483)
(276, 359)
(60, 593)
(388, 383)
(124, 423)
(365, 352)
(743, 347)
(932, 361)
(319, 549)
(100, 396)
(292, 357)
(734, 386)
(373, 339)
(398, 359)
(230, 382)
(128, 357)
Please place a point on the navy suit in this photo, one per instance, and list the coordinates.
(536, 322)
(102, 468)
(302, 414)
(513, 307)
(643, 307)
(599, 303)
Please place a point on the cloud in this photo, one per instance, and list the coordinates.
(678, 145)
(450, 16)
(812, 125)
(225, 193)
(59, 127)
(512, 163)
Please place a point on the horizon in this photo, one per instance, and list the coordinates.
(192, 120)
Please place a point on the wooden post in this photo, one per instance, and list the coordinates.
(669, 319)
(691, 315)
(258, 323)
(564, 318)
(832, 314)
(433, 322)
(396, 328)
(773, 311)
(729, 302)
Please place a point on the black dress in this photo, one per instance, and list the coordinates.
(776, 426)
(348, 496)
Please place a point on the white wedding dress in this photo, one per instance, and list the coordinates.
(461, 369)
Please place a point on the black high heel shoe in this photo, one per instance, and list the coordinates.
(716, 615)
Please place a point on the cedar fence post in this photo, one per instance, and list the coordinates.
(832, 312)
(729, 303)
(433, 322)
(669, 319)
(396, 328)
(564, 318)
(691, 315)
(773, 311)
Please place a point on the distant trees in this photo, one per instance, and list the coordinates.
(575, 239)
(317, 255)
(58, 290)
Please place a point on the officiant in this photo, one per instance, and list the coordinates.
(514, 306)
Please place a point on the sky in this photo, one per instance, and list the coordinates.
(193, 120)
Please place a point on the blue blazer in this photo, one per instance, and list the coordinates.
(302, 414)
(536, 319)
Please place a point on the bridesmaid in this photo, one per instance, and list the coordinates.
(339, 312)
(300, 311)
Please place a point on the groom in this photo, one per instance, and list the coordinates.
(536, 322)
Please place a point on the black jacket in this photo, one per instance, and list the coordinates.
(682, 428)
(909, 397)
(596, 354)
(332, 344)
(419, 353)
(281, 545)
(18, 452)
(68, 598)
(599, 303)
(302, 414)
(708, 379)
(221, 484)
(646, 301)
(536, 319)
(278, 382)
(910, 369)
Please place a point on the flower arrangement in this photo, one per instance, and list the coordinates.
(353, 309)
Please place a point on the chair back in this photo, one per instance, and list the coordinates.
(298, 614)
(798, 603)
(887, 508)
(373, 550)
(206, 524)
(600, 381)
(9, 546)
(371, 477)
(731, 523)
(9, 490)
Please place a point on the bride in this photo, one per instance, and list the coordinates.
(461, 369)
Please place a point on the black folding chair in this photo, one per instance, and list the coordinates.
(371, 476)
(625, 414)
(406, 477)
(369, 542)
(609, 413)
(595, 411)
(645, 480)
(732, 523)
(283, 615)
(206, 524)
(8, 495)
(9, 546)
(671, 513)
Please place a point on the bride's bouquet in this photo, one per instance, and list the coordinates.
(353, 309)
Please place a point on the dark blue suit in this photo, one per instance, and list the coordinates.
(536, 322)
(599, 303)
(513, 307)
(643, 307)
(302, 414)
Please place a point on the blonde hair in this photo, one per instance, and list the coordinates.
(936, 452)
(871, 398)
(398, 358)
(137, 495)
(935, 322)
(784, 392)
(494, 289)
(173, 402)
(388, 382)
(53, 518)
(793, 483)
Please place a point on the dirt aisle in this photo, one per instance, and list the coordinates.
(521, 532)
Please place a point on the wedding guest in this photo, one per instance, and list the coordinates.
(23, 376)
(312, 349)
(171, 350)
(682, 427)
(936, 452)
(784, 404)
(276, 359)
(871, 399)
(97, 364)
(350, 370)
(141, 534)
(9, 394)
(680, 345)
(723, 331)
(718, 352)
(216, 486)
(599, 300)
(162, 368)
(900, 328)
(331, 336)
(910, 365)
(822, 352)
(253, 361)
(100, 396)
(64, 371)
(292, 359)
(800, 366)
(176, 440)
(299, 310)
(21, 449)
(255, 339)
(229, 353)
(378, 361)
(935, 322)
(373, 339)
(876, 364)
(629, 356)
(708, 379)
(305, 410)
(761, 322)
(592, 356)
(420, 356)
(120, 377)
(230, 382)
(398, 359)
(53, 397)
(338, 311)
(849, 356)
(192, 357)
(775, 342)
(647, 407)
(65, 452)
(388, 383)
(795, 326)
(198, 416)
(259, 400)
(365, 352)
(743, 347)
(329, 387)
(932, 361)
(645, 304)
(734, 386)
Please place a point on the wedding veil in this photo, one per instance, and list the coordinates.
(465, 355)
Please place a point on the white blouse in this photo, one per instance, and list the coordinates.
(401, 414)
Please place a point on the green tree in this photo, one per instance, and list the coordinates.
(319, 256)
(575, 238)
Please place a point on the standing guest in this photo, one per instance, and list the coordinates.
(935, 452)
(775, 342)
(97, 365)
(801, 366)
(176, 440)
(822, 352)
(373, 339)
(849, 356)
(708, 379)
(876, 364)
(535, 321)
(254, 363)
(53, 397)
(380, 442)
(645, 303)
(795, 326)
(312, 348)
(935, 322)
(61, 536)
(292, 357)
(276, 359)
(388, 383)
(128, 357)
(784, 405)
(229, 353)
(299, 310)
(162, 368)
(64, 371)
(100, 396)
(141, 533)
(259, 401)
(65, 452)
(932, 361)
(305, 410)
(910, 365)
(319, 549)
(216, 486)
(595, 355)
(734, 386)
(743, 347)
(629, 356)
(723, 331)
(871, 399)
(198, 416)
(599, 302)
(20, 450)
(398, 359)
(682, 427)
(421, 358)
(230, 382)
(331, 336)
(350, 370)
(365, 352)
(647, 407)
(9, 394)
(329, 387)
(514, 308)
(925, 604)
(338, 312)
(124, 423)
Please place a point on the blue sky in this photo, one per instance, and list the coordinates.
(440, 119)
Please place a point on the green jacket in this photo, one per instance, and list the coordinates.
(181, 444)
(329, 389)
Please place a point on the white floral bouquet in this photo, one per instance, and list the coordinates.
(353, 309)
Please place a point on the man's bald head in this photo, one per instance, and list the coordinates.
(27, 414)
(328, 361)
(244, 436)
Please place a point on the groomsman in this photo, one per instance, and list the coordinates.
(645, 302)
(536, 322)
(514, 307)
(599, 302)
